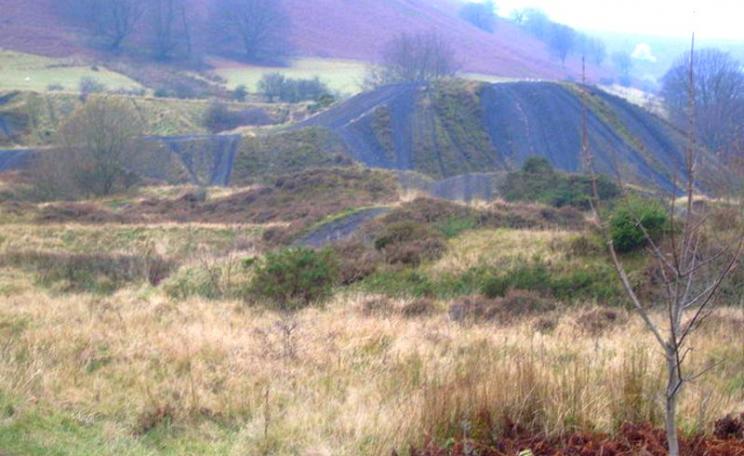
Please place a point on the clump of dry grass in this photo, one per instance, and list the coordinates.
(499, 248)
(332, 381)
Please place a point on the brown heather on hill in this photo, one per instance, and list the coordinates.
(328, 29)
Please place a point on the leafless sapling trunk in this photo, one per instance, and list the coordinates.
(691, 265)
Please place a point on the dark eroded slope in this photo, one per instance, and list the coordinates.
(462, 127)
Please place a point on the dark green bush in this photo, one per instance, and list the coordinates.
(534, 277)
(594, 282)
(276, 86)
(407, 282)
(539, 182)
(454, 226)
(240, 93)
(537, 165)
(495, 287)
(296, 277)
(88, 86)
(631, 219)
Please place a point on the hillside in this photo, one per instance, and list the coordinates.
(442, 131)
(319, 24)
(328, 29)
(464, 127)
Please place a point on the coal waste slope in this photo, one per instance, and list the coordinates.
(462, 128)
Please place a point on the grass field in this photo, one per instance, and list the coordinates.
(19, 71)
(161, 116)
(29, 72)
(99, 361)
(345, 76)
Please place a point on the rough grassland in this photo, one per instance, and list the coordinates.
(179, 361)
(19, 71)
(44, 112)
(139, 374)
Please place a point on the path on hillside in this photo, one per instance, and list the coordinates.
(340, 229)
(350, 120)
(15, 159)
(224, 160)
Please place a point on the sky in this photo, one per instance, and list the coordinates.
(710, 19)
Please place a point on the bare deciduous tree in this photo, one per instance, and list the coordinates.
(96, 143)
(259, 26)
(112, 20)
(535, 21)
(421, 57)
(691, 267)
(481, 15)
(719, 96)
(171, 27)
(624, 65)
(593, 48)
(562, 41)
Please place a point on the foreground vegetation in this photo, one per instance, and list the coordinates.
(163, 321)
(138, 373)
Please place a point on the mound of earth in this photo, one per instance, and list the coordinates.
(457, 127)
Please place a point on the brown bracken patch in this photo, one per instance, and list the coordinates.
(630, 440)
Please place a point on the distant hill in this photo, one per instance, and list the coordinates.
(348, 29)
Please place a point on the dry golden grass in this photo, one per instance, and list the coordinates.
(169, 239)
(497, 248)
(332, 381)
(139, 372)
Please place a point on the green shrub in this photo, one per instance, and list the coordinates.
(296, 277)
(596, 281)
(539, 182)
(629, 221)
(190, 282)
(275, 86)
(240, 93)
(495, 287)
(537, 165)
(530, 277)
(88, 85)
(407, 282)
(454, 226)
(218, 117)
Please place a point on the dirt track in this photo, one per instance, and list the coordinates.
(340, 229)
(14, 159)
